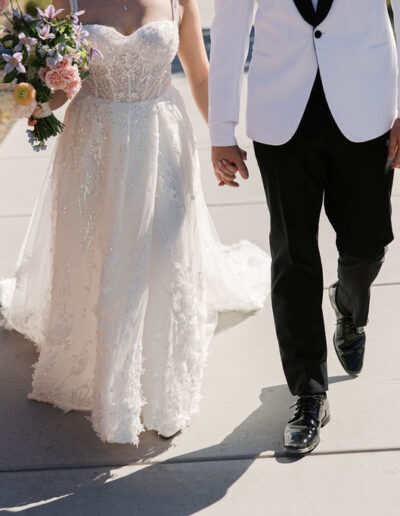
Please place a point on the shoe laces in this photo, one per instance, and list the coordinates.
(307, 401)
(348, 324)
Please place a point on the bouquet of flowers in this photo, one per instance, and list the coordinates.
(38, 56)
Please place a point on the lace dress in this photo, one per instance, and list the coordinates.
(121, 274)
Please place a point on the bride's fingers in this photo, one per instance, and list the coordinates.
(223, 167)
(230, 166)
(230, 183)
(32, 121)
(229, 180)
(223, 179)
(218, 175)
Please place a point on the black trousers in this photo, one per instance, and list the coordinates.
(319, 165)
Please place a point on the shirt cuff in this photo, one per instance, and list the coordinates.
(222, 134)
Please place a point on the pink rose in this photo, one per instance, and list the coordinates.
(54, 79)
(42, 74)
(72, 92)
(73, 88)
(70, 74)
(67, 61)
(74, 84)
(61, 65)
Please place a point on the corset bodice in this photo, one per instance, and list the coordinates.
(134, 67)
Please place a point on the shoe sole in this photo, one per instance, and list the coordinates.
(303, 451)
(166, 437)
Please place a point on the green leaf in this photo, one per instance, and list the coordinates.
(59, 39)
(9, 77)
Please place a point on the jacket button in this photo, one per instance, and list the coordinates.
(317, 34)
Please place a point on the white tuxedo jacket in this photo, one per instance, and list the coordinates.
(356, 54)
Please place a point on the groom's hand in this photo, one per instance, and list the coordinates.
(394, 144)
(227, 161)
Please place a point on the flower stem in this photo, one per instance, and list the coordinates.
(47, 127)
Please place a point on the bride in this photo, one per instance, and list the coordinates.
(121, 274)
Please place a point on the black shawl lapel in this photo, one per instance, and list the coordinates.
(324, 6)
(306, 9)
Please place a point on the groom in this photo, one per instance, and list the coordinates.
(322, 112)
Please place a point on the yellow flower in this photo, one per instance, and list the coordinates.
(24, 94)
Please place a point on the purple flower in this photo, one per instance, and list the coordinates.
(14, 62)
(94, 52)
(43, 50)
(74, 17)
(45, 32)
(49, 13)
(19, 15)
(26, 42)
(80, 35)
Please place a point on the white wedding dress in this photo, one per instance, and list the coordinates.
(121, 274)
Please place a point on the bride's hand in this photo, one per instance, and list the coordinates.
(32, 121)
(57, 99)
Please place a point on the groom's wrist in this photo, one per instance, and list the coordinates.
(222, 134)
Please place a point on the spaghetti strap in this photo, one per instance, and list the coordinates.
(74, 5)
(175, 10)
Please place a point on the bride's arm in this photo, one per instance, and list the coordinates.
(192, 54)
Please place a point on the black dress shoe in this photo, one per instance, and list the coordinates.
(349, 340)
(302, 433)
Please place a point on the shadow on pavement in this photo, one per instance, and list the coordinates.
(38, 436)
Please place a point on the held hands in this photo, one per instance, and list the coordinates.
(394, 145)
(227, 162)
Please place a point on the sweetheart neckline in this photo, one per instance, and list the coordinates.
(132, 33)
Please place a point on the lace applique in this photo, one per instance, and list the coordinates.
(135, 67)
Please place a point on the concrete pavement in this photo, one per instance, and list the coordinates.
(228, 461)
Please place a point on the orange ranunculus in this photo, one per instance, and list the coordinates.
(24, 94)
